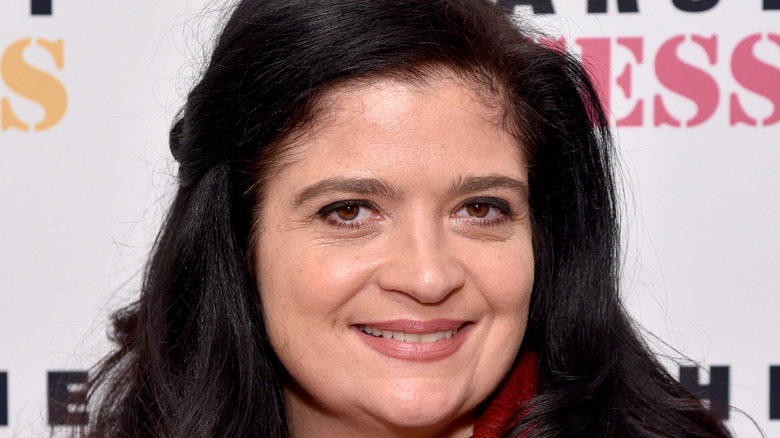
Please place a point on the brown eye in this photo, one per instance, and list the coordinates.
(348, 212)
(478, 209)
(354, 213)
(484, 210)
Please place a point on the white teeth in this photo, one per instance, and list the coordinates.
(426, 338)
(413, 338)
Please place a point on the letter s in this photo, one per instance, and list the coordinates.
(686, 80)
(33, 83)
(757, 76)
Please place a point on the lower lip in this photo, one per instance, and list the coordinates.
(417, 351)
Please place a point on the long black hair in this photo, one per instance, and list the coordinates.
(193, 357)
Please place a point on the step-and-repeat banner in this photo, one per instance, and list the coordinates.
(88, 89)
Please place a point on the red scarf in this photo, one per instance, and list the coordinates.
(517, 388)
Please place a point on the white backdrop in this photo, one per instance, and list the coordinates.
(81, 199)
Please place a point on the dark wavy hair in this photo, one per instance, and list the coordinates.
(193, 358)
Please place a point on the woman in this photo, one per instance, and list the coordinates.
(394, 218)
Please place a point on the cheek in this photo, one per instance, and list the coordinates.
(506, 280)
(306, 287)
(511, 297)
(507, 284)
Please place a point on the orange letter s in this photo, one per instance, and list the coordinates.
(33, 83)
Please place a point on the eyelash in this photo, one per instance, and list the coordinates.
(505, 212)
(326, 212)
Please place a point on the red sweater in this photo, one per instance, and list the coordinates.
(518, 388)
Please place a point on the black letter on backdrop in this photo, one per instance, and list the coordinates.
(540, 6)
(40, 7)
(771, 4)
(694, 5)
(3, 399)
(65, 402)
(623, 6)
(774, 392)
(717, 392)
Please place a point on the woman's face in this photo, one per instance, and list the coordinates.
(395, 261)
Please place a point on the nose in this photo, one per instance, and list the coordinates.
(421, 263)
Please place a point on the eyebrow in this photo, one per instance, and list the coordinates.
(378, 187)
(479, 183)
(363, 186)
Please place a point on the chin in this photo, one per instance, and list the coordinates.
(423, 411)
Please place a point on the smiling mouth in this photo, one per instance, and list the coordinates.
(412, 338)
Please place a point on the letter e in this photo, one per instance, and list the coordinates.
(66, 398)
(624, 81)
(597, 59)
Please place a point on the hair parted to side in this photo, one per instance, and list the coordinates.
(193, 357)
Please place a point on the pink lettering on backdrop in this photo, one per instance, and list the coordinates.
(756, 76)
(686, 80)
(692, 80)
(597, 58)
(624, 81)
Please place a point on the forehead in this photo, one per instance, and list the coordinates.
(478, 96)
(417, 139)
(376, 122)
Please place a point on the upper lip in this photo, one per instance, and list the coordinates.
(417, 326)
